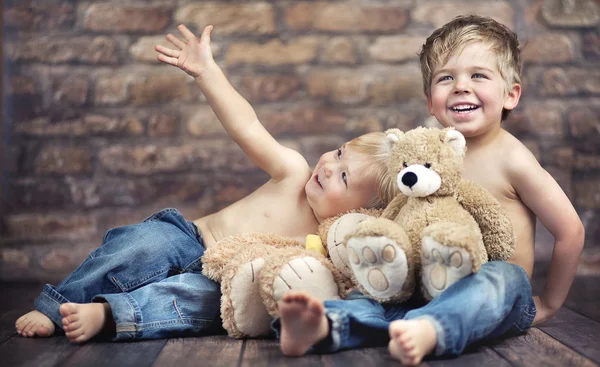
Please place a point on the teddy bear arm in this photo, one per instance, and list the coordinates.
(496, 228)
(217, 257)
(393, 208)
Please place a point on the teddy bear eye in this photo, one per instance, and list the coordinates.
(427, 165)
(404, 164)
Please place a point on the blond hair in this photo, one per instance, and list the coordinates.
(454, 36)
(374, 148)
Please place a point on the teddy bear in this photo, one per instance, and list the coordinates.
(437, 230)
(256, 269)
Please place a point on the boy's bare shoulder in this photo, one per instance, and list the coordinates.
(517, 160)
(293, 164)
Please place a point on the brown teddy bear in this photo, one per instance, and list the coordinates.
(256, 269)
(439, 229)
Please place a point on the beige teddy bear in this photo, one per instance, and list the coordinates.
(439, 229)
(255, 270)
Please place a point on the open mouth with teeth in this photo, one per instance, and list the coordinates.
(318, 181)
(464, 108)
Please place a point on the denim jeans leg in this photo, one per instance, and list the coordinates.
(183, 304)
(129, 258)
(482, 305)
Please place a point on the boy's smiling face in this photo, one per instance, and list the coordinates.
(469, 93)
(340, 183)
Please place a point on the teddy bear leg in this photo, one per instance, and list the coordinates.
(242, 309)
(298, 270)
(382, 264)
(448, 254)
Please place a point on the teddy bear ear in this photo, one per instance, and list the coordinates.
(392, 136)
(455, 139)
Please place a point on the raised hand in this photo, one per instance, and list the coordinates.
(191, 55)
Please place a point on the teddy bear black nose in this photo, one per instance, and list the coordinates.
(409, 179)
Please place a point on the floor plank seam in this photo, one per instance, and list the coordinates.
(242, 351)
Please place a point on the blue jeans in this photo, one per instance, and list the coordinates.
(151, 276)
(493, 302)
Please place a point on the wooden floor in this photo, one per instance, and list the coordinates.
(571, 338)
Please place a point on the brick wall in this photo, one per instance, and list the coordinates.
(96, 133)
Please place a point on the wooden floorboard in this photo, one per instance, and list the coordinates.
(221, 351)
(36, 352)
(575, 331)
(536, 348)
(103, 354)
(571, 338)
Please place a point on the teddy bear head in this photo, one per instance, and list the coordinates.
(426, 161)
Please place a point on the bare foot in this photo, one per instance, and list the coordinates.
(411, 340)
(34, 323)
(303, 323)
(83, 321)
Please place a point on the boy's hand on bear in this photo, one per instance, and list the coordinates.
(191, 55)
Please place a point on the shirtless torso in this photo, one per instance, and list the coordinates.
(275, 207)
(489, 165)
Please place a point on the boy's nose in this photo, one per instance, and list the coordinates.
(461, 87)
(327, 169)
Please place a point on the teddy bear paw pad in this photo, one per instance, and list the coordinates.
(443, 265)
(378, 264)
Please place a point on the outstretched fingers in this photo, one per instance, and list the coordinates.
(175, 41)
(186, 33)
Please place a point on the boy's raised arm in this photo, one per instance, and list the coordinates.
(542, 194)
(194, 56)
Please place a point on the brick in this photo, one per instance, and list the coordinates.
(162, 124)
(115, 17)
(62, 160)
(580, 13)
(13, 258)
(91, 50)
(203, 122)
(343, 17)
(340, 50)
(439, 13)
(39, 15)
(111, 89)
(150, 89)
(256, 18)
(584, 123)
(544, 120)
(301, 120)
(548, 49)
(587, 162)
(591, 45)
(87, 125)
(269, 88)
(587, 194)
(49, 225)
(19, 85)
(562, 157)
(150, 159)
(394, 49)
(377, 87)
(571, 81)
(36, 193)
(274, 52)
(143, 48)
(71, 91)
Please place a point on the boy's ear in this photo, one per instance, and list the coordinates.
(429, 104)
(513, 96)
